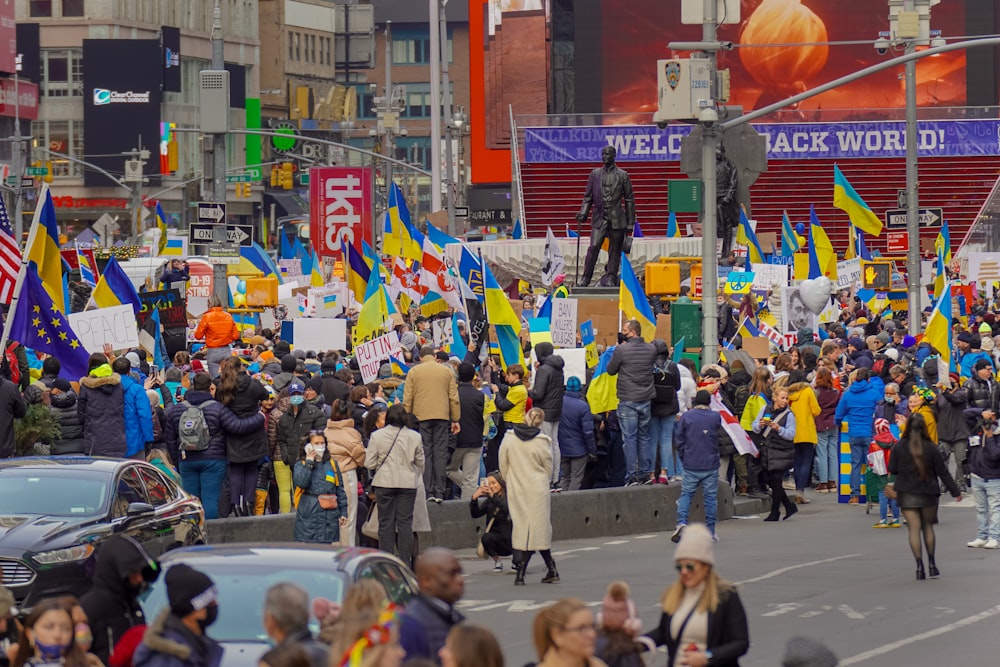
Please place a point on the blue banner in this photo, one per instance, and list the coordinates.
(785, 141)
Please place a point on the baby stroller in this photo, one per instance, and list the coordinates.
(876, 471)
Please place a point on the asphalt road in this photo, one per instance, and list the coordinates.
(825, 573)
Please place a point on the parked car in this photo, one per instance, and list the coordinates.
(243, 572)
(55, 511)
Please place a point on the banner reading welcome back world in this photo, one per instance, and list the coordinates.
(785, 141)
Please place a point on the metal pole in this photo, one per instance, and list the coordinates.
(709, 272)
(446, 112)
(388, 148)
(912, 195)
(435, 12)
(19, 161)
(219, 286)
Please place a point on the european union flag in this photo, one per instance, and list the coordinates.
(38, 324)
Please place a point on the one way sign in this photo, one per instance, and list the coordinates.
(209, 211)
(929, 217)
(202, 233)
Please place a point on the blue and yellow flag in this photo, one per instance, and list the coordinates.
(115, 288)
(602, 392)
(498, 308)
(673, 229)
(822, 258)
(356, 271)
(42, 251)
(316, 270)
(633, 302)
(161, 224)
(438, 238)
(746, 236)
(942, 243)
(401, 238)
(398, 367)
(938, 331)
(789, 239)
(374, 311)
(846, 198)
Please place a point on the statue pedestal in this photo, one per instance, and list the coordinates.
(596, 292)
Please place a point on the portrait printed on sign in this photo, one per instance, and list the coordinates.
(794, 314)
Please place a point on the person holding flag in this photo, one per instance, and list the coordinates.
(632, 362)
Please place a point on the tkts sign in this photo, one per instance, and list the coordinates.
(340, 208)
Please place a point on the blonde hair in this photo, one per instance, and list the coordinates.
(534, 417)
(709, 601)
(363, 600)
(553, 617)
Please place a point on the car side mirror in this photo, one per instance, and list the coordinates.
(138, 509)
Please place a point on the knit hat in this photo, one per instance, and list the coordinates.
(883, 338)
(966, 337)
(189, 590)
(863, 362)
(573, 383)
(807, 652)
(909, 341)
(702, 397)
(316, 384)
(288, 363)
(985, 328)
(856, 343)
(696, 544)
(62, 384)
(466, 372)
(618, 610)
(892, 353)
(987, 344)
(328, 364)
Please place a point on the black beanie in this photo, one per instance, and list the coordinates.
(188, 590)
(466, 372)
(288, 363)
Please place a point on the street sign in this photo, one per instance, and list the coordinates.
(224, 254)
(37, 171)
(202, 233)
(461, 211)
(27, 182)
(12, 180)
(239, 178)
(896, 240)
(304, 178)
(210, 211)
(929, 217)
(253, 172)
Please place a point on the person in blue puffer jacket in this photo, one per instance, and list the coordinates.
(697, 439)
(138, 414)
(857, 408)
(576, 437)
(969, 353)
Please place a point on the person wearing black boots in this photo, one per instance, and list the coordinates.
(918, 465)
(776, 424)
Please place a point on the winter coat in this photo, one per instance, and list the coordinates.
(685, 395)
(984, 394)
(11, 406)
(169, 643)
(888, 411)
(512, 400)
(334, 389)
(101, 406)
(968, 362)
(697, 438)
(495, 509)
(902, 465)
(728, 634)
(930, 419)
(472, 405)
(549, 386)
(431, 392)
(951, 424)
(344, 444)
(171, 275)
(526, 464)
(312, 522)
(220, 421)
(63, 408)
(138, 417)
(395, 466)
(632, 362)
(779, 447)
(802, 401)
(857, 407)
(293, 430)
(252, 446)
(985, 459)
(112, 605)
(666, 383)
(217, 328)
(827, 398)
(576, 427)
(424, 626)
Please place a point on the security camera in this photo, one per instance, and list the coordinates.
(882, 46)
(726, 46)
(938, 42)
(708, 116)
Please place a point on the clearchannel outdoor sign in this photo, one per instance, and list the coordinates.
(104, 96)
(785, 141)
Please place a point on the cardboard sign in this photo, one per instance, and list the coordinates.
(768, 276)
(662, 327)
(590, 344)
(370, 355)
(757, 347)
(848, 272)
(325, 301)
(115, 325)
(317, 334)
(563, 326)
(443, 333)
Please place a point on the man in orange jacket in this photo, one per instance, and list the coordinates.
(218, 328)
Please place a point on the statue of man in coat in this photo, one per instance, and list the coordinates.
(609, 194)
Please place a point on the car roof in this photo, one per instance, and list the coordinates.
(295, 554)
(96, 464)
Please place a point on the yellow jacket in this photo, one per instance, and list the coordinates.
(802, 401)
(518, 395)
(927, 413)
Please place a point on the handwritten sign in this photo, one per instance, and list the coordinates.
(443, 333)
(848, 272)
(563, 325)
(371, 354)
(115, 325)
(589, 342)
(168, 303)
(767, 276)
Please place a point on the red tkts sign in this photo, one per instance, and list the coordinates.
(340, 208)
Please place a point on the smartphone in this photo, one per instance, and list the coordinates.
(154, 370)
(482, 481)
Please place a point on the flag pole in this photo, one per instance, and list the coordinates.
(19, 282)
(486, 310)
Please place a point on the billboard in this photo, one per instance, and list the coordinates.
(121, 105)
(170, 45)
(8, 37)
(340, 208)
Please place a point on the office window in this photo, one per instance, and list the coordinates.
(62, 73)
(413, 47)
(72, 8)
(298, 47)
(418, 100)
(366, 102)
(291, 46)
(40, 9)
(312, 48)
(61, 137)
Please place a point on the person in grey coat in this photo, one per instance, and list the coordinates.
(632, 362)
(320, 479)
(62, 405)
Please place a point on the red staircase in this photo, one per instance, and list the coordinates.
(959, 185)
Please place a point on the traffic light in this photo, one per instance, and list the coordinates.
(275, 175)
(287, 175)
(48, 172)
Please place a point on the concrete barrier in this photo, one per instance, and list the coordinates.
(575, 516)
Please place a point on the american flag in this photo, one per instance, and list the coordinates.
(10, 257)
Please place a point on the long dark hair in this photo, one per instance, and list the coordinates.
(917, 438)
(74, 657)
(225, 392)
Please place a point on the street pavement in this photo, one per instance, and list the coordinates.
(825, 573)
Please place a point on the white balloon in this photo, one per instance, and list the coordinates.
(815, 293)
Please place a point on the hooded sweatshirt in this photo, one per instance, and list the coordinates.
(549, 385)
(101, 407)
(857, 407)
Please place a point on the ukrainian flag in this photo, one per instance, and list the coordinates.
(161, 224)
(789, 239)
(316, 271)
(115, 288)
(356, 271)
(398, 367)
(673, 230)
(942, 244)
(846, 198)
(401, 238)
(822, 258)
(374, 311)
(602, 392)
(938, 331)
(498, 307)
(633, 302)
(746, 236)
(42, 251)
(438, 238)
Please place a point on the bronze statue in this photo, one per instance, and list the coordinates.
(727, 207)
(609, 192)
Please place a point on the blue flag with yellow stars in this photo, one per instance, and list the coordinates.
(39, 325)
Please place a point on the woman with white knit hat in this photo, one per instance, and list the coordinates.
(703, 621)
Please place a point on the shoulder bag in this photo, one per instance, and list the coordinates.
(370, 527)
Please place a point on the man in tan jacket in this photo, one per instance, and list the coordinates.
(431, 395)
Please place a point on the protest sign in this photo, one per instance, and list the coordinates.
(984, 266)
(370, 355)
(563, 326)
(173, 316)
(767, 276)
(739, 282)
(576, 363)
(115, 325)
(443, 335)
(325, 301)
(589, 343)
(315, 334)
(848, 272)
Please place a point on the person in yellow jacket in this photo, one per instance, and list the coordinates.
(805, 407)
(512, 398)
(920, 402)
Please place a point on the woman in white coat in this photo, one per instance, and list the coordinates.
(526, 464)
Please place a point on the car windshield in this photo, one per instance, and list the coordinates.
(56, 492)
(241, 595)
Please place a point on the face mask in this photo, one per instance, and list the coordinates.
(891, 400)
(212, 614)
(50, 652)
(297, 400)
(84, 638)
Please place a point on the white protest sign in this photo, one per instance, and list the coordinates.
(115, 325)
(848, 272)
(767, 276)
(325, 301)
(370, 355)
(443, 332)
(319, 334)
(290, 268)
(984, 266)
(286, 290)
(576, 363)
(563, 325)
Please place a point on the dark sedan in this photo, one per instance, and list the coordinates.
(243, 573)
(56, 511)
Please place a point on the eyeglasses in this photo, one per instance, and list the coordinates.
(686, 567)
(581, 629)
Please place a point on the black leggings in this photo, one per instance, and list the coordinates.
(496, 546)
(243, 483)
(920, 521)
(523, 557)
(779, 498)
